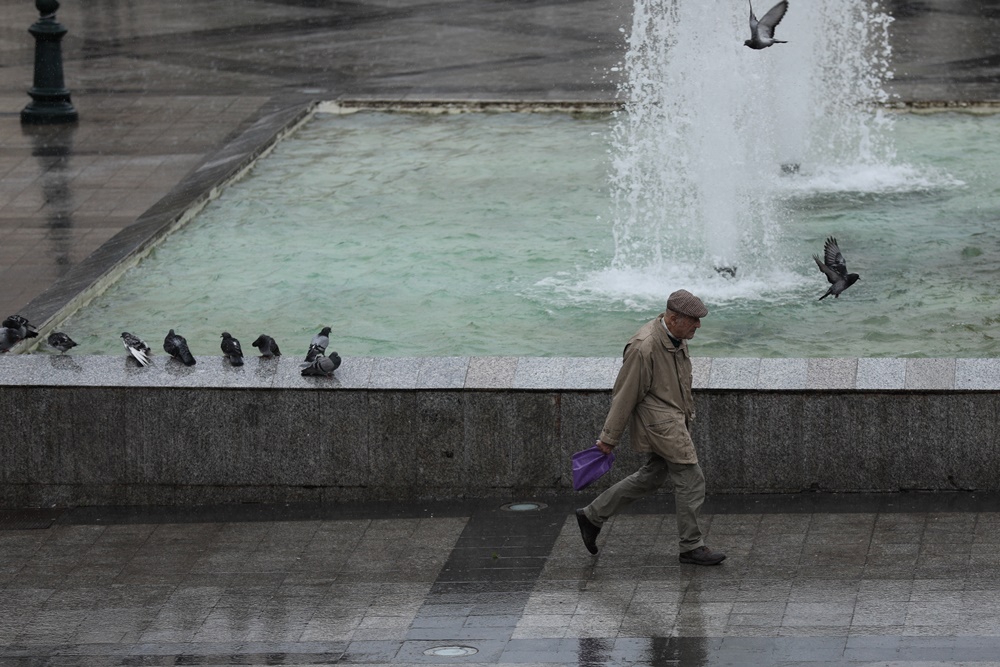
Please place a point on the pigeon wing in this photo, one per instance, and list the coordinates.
(135, 347)
(134, 341)
(770, 20)
(183, 353)
(833, 257)
(233, 351)
(831, 275)
(231, 346)
(312, 368)
(170, 344)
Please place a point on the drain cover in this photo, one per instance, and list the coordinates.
(451, 651)
(523, 506)
(29, 519)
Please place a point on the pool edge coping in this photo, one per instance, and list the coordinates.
(476, 373)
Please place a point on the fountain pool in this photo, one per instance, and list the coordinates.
(491, 234)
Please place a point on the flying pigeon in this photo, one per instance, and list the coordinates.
(318, 345)
(137, 348)
(322, 366)
(835, 269)
(231, 348)
(21, 325)
(762, 32)
(177, 347)
(9, 338)
(61, 341)
(267, 346)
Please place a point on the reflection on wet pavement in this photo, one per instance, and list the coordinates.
(823, 580)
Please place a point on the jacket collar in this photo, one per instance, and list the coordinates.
(664, 338)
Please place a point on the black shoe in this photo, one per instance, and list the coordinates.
(702, 556)
(588, 530)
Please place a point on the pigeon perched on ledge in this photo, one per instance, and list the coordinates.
(21, 326)
(762, 31)
(835, 269)
(267, 346)
(319, 344)
(61, 341)
(321, 366)
(231, 348)
(177, 347)
(136, 348)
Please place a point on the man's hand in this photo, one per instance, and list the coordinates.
(605, 447)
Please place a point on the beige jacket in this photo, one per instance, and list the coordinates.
(652, 396)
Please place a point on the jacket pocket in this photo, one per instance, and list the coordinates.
(670, 439)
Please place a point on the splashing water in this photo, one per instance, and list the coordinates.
(710, 130)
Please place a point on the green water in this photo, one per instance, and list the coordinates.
(491, 234)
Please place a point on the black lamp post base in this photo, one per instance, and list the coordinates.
(49, 96)
(49, 109)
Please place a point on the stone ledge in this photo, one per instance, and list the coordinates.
(501, 373)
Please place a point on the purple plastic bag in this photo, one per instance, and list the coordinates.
(589, 465)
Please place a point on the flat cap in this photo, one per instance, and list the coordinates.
(685, 303)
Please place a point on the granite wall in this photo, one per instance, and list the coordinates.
(79, 430)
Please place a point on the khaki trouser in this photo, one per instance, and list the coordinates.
(689, 494)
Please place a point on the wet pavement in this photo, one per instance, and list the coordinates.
(811, 579)
(161, 86)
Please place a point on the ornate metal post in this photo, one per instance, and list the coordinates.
(50, 97)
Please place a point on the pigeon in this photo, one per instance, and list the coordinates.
(267, 346)
(322, 366)
(9, 338)
(136, 347)
(835, 269)
(762, 32)
(231, 348)
(177, 347)
(318, 345)
(20, 324)
(61, 341)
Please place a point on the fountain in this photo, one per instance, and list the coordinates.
(723, 173)
(710, 129)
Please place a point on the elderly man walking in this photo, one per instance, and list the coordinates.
(652, 397)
